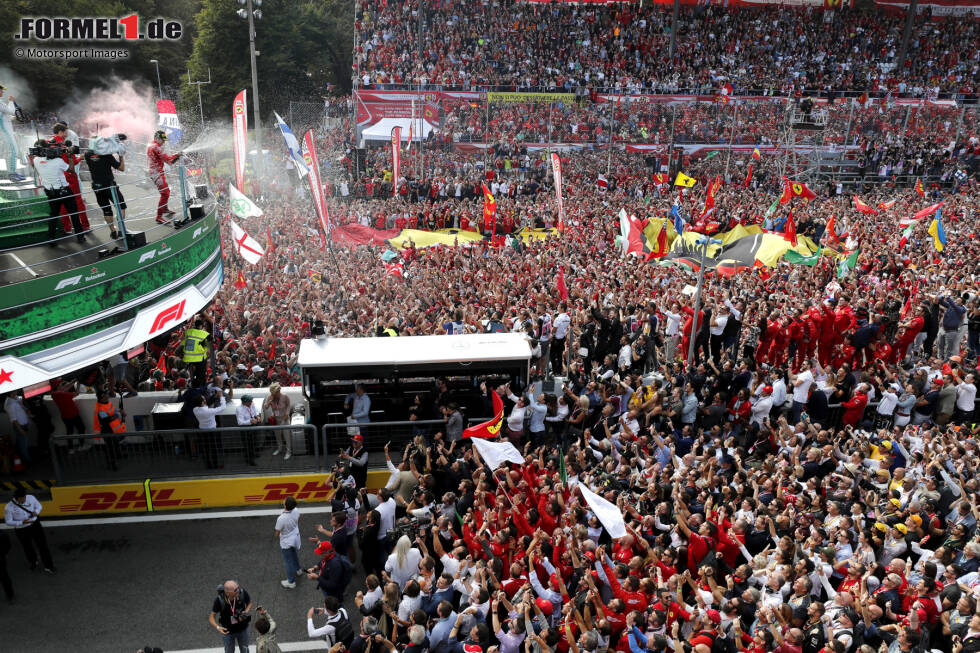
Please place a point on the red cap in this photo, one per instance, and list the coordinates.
(714, 616)
(937, 381)
(324, 548)
(357, 437)
(767, 390)
(546, 607)
(472, 648)
(556, 579)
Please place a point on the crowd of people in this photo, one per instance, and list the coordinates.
(770, 49)
(786, 462)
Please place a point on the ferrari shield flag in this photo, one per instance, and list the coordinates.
(490, 428)
(239, 126)
(168, 120)
(312, 161)
(292, 145)
(556, 168)
(245, 245)
(396, 141)
(793, 189)
(489, 210)
(684, 180)
(240, 205)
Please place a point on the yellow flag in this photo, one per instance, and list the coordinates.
(684, 180)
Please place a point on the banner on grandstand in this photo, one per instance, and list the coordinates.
(935, 7)
(239, 127)
(396, 141)
(556, 168)
(376, 106)
(530, 97)
(316, 184)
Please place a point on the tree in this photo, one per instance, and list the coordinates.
(303, 46)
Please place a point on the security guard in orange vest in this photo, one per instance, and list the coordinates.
(110, 423)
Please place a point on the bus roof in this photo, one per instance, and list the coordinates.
(405, 352)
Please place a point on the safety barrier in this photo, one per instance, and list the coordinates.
(181, 453)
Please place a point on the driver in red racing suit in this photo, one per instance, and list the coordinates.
(156, 157)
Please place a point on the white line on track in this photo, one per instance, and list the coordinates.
(285, 646)
(146, 518)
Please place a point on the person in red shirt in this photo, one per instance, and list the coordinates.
(64, 398)
(910, 330)
(71, 176)
(854, 407)
(155, 159)
(631, 594)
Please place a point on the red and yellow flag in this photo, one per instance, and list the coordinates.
(793, 189)
(489, 210)
(490, 428)
(861, 207)
(919, 189)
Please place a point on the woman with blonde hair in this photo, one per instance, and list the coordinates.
(403, 564)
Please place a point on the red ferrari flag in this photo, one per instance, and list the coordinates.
(789, 231)
(560, 284)
(831, 231)
(919, 189)
(489, 211)
(162, 363)
(748, 176)
(240, 281)
(793, 189)
(661, 178)
(861, 207)
(490, 428)
(926, 212)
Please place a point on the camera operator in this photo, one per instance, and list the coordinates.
(155, 158)
(70, 155)
(103, 181)
(52, 169)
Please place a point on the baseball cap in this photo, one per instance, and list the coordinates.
(545, 605)
(851, 614)
(714, 616)
(357, 437)
(324, 548)
(767, 390)
(895, 502)
(902, 528)
(246, 399)
(472, 648)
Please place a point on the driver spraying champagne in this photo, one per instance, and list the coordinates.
(156, 158)
(8, 108)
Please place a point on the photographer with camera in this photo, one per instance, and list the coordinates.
(230, 616)
(103, 182)
(67, 141)
(155, 159)
(9, 108)
(53, 172)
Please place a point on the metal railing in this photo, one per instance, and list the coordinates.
(186, 453)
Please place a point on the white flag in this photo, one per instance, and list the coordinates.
(295, 153)
(496, 454)
(241, 206)
(245, 245)
(607, 513)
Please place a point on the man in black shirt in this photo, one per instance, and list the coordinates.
(103, 181)
(229, 615)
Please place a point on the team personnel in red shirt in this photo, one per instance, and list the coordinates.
(155, 158)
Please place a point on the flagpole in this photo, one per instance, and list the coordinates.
(731, 137)
(695, 327)
(612, 118)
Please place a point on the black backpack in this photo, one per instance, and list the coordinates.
(343, 630)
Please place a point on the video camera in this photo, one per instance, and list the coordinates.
(105, 145)
(411, 527)
(52, 150)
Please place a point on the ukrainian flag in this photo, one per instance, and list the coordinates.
(937, 232)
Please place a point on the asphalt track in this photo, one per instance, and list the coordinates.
(122, 584)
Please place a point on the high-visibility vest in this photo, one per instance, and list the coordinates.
(115, 423)
(194, 350)
(391, 333)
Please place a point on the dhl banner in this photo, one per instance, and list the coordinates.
(181, 495)
(530, 97)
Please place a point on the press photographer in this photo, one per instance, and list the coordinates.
(69, 142)
(53, 169)
(101, 159)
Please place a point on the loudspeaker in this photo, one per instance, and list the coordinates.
(135, 239)
(195, 211)
(201, 191)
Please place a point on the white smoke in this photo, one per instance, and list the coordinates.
(17, 88)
